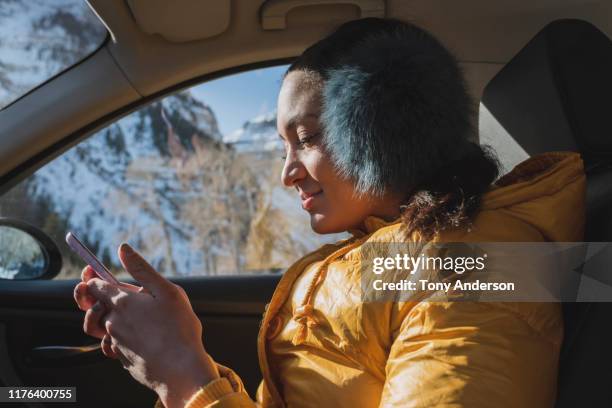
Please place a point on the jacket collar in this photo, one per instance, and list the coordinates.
(371, 224)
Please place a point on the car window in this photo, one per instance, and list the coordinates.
(192, 181)
(491, 133)
(40, 38)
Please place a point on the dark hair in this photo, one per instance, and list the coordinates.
(397, 118)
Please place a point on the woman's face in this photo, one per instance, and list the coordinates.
(330, 200)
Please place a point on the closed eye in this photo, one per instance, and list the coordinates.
(308, 139)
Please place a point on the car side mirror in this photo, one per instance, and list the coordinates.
(26, 252)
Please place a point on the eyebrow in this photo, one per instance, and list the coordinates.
(293, 121)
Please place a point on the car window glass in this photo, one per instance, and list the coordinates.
(192, 181)
(40, 38)
(492, 134)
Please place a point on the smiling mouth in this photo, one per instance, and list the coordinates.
(308, 200)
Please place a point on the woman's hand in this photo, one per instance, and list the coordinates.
(152, 329)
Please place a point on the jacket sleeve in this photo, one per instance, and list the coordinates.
(224, 392)
(468, 354)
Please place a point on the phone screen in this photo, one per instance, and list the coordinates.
(86, 255)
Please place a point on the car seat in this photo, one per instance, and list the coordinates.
(556, 94)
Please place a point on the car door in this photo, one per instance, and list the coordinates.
(42, 343)
(191, 181)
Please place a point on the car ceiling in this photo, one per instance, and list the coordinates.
(136, 65)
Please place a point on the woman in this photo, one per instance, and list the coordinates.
(375, 120)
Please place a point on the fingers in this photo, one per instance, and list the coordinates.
(181, 291)
(111, 350)
(107, 347)
(132, 288)
(88, 273)
(102, 319)
(85, 297)
(103, 291)
(82, 296)
(93, 323)
(144, 273)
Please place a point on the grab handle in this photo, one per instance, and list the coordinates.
(274, 12)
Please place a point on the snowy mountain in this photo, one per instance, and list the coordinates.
(256, 135)
(133, 180)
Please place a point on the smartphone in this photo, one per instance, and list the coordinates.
(81, 250)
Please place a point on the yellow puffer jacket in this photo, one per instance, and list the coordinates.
(321, 346)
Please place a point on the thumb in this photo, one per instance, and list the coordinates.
(144, 273)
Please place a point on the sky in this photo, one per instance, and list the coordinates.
(241, 97)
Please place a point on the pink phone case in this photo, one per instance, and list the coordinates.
(89, 258)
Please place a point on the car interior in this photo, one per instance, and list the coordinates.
(551, 96)
(540, 76)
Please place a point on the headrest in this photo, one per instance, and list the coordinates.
(556, 93)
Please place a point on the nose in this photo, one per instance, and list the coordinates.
(293, 170)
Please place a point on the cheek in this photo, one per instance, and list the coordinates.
(340, 209)
(323, 167)
(343, 203)
(341, 199)
(338, 191)
(318, 166)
